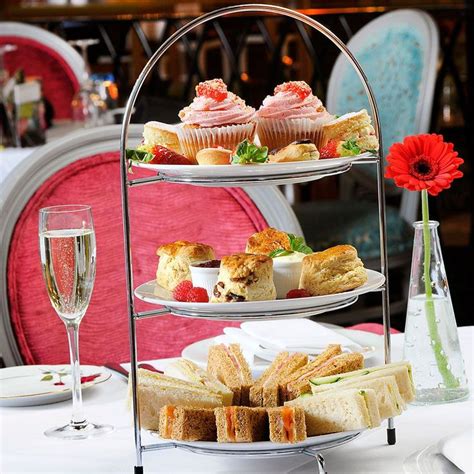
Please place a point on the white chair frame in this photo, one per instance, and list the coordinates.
(49, 159)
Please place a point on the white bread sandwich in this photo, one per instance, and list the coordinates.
(400, 370)
(286, 424)
(156, 390)
(241, 424)
(389, 400)
(175, 259)
(267, 390)
(187, 424)
(334, 270)
(341, 410)
(330, 362)
(228, 365)
(185, 369)
(349, 135)
(244, 277)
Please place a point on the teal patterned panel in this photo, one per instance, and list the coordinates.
(393, 62)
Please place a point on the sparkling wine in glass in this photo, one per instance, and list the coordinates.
(68, 258)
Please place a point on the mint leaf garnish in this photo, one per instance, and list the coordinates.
(298, 244)
(280, 253)
(247, 152)
(46, 378)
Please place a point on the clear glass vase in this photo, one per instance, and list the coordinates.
(431, 335)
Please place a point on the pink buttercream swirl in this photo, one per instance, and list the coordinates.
(287, 105)
(208, 112)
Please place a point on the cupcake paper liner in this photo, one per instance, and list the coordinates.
(193, 139)
(275, 133)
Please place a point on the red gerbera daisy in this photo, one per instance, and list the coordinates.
(423, 162)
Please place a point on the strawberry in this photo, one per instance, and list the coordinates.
(214, 89)
(180, 293)
(165, 156)
(197, 295)
(300, 88)
(298, 293)
(329, 150)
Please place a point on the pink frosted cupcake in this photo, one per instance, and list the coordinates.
(292, 113)
(216, 117)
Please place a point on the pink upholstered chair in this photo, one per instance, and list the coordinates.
(41, 53)
(84, 168)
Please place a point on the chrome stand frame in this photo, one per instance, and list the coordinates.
(126, 184)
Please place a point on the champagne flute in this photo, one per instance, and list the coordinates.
(68, 259)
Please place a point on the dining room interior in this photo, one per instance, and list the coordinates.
(255, 221)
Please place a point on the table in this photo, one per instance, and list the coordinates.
(24, 448)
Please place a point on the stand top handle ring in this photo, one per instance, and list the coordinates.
(274, 9)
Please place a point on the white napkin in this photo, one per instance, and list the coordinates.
(296, 335)
(458, 449)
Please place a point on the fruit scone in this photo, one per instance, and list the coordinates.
(175, 259)
(244, 277)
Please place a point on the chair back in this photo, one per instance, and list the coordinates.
(398, 52)
(43, 54)
(84, 168)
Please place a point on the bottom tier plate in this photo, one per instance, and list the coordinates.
(310, 446)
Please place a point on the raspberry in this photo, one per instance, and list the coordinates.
(214, 89)
(329, 150)
(180, 293)
(197, 295)
(300, 88)
(298, 293)
(165, 156)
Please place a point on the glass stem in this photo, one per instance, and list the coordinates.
(440, 355)
(78, 419)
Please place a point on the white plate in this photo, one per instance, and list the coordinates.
(264, 447)
(197, 352)
(151, 292)
(274, 173)
(22, 386)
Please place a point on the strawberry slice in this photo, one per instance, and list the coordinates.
(300, 88)
(329, 150)
(165, 156)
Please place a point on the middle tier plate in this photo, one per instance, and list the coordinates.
(249, 175)
(151, 292)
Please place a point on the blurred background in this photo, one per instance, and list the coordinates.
(114, 39)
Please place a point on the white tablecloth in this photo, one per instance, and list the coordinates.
(24, 448)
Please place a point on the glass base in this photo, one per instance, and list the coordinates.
(436, 396)
(80, 431)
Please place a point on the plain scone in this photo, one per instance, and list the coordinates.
(334, 270)
(175, 258)
(244, 277)
(268, 240)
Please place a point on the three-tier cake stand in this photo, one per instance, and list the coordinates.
(313, 446)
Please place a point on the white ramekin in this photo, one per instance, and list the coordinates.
(204, 278)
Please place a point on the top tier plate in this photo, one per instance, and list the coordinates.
(252, 175)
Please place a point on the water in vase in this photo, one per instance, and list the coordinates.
(418, 349)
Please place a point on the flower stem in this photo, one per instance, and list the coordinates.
(440, 355)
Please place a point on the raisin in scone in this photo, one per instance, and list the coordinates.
(175, 258)
(244, 277)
